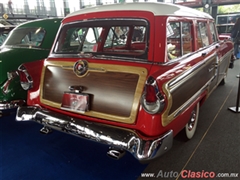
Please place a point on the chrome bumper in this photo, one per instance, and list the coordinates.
(124, 139)
(8, 106)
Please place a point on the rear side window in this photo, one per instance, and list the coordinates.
(187, 38)
(179, 39)
(203, 36)
(213, 32)
(225, 28)
(26, 37)
(227, 19)
(3, 37)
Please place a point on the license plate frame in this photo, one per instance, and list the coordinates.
(78, 102)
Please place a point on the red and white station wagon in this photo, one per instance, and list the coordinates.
(131, 76)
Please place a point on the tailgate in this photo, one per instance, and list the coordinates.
(114, 90)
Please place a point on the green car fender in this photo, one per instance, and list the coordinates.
(12, 90)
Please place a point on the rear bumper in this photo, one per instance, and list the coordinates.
(121, 138)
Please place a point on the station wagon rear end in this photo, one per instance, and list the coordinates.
(131, 76)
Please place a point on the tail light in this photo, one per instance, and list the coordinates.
(11, 75)
(152, 99)
(25, 79)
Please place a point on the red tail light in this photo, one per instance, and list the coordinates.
(152, 100)
(150, 95)
(22, 77)
(11, 75)
(6, 86)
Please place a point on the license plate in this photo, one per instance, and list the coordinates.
(75, 102)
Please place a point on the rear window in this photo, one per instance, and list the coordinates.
(227, 19)
(115, 37)
(179, 39)
(26, 37)
(3, 37)
(224, 29)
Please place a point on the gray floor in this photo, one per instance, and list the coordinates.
(215, 147)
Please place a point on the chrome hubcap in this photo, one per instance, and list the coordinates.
(192, 121)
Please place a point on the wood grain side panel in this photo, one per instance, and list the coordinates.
(110, 92)
(183, 90)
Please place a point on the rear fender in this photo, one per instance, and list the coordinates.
(34, 69)
(12, 90)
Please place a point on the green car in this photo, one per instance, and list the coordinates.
(30, 41)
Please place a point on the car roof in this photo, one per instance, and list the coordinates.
(39, 22)
(158, 9)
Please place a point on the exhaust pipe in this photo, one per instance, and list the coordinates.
(115, 153)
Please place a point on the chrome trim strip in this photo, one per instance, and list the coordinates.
(188, 72)
(104, 57)
(121, 138)
(26, 47)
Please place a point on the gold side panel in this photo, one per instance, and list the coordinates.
(114, 90)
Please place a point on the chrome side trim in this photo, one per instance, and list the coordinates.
(188, 72)
(121, 138)
(26, 47)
